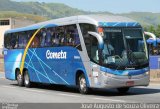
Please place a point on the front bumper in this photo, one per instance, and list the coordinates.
(115, 81)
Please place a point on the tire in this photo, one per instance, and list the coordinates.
(123, 90)
(27, 82)
(19, 77)
(82, 84)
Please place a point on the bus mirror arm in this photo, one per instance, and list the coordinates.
(99, 38)
(100, 45)
(100, 56)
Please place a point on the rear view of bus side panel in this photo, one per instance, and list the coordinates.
(12, 60)
(46, 68)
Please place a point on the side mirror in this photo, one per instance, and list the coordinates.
(99, 38)
(100, 45)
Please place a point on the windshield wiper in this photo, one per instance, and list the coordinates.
(118, 66)
(132, 58)
(137, 59)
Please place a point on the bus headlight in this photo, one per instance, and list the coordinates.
(147, 73)
(108, 74)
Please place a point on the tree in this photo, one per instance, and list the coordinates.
(145, 28)
(158, 31)
(152, 29)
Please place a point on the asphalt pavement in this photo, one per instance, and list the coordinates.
(44, 93)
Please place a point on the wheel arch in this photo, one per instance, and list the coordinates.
(18, 69)
(78, 73)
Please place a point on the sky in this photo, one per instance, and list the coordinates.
(114, 6)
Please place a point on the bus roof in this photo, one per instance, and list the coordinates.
(98, 20)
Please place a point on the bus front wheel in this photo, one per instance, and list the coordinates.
(19, 77)
(27, 82)
(123, 90)
(83, 84)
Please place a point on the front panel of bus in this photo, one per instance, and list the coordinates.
(123, 62)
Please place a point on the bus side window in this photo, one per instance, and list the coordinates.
(16, 42)
(158, 48)
(7, 41)
(76, 37)
(36, 40)
(10, 41)
(48, 37)
(62, 36)
(22, 40)
(42, 38)
(13, 40)
(55, 39)
(69, 36)
(25, 38)
(72, 37)
(45, 37)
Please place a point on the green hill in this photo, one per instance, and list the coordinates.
(145, 18)
(42, 11)
(13, 14)
(50, 10)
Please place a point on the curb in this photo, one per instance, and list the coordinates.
(155, 81)
(2, 76)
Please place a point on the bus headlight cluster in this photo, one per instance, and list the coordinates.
(147, 73)
(108, 74)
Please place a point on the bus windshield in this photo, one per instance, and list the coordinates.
(124, 48)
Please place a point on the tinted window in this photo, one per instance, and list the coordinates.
(87, 27)
(4, 22)
(87, 40)
(16, 40)
(47, 37)
(60, 36)
(7, 39)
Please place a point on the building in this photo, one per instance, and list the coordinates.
(10, 23)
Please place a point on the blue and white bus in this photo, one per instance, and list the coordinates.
(94, 51)
(154, 51)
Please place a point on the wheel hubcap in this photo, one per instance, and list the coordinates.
(26, 79)
(83, 84)
(19, 77)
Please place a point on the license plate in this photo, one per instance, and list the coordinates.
(130, 83)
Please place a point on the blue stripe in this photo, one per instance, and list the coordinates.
(124, 72)
(119, 24)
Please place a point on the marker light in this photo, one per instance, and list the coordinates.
(100, 30)
(147, 73)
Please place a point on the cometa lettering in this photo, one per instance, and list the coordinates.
(56, 55)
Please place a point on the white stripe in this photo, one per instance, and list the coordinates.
(34, 90)
(62, 94)
(2, 77)
(104, 99)
(9, 87)
(152, 84)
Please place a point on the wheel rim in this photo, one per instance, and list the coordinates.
(26, 79)
(83, 84)
(19, 77)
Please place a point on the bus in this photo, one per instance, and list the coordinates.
(154, 52)
(85, 51)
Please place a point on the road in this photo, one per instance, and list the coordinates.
(10, 92)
